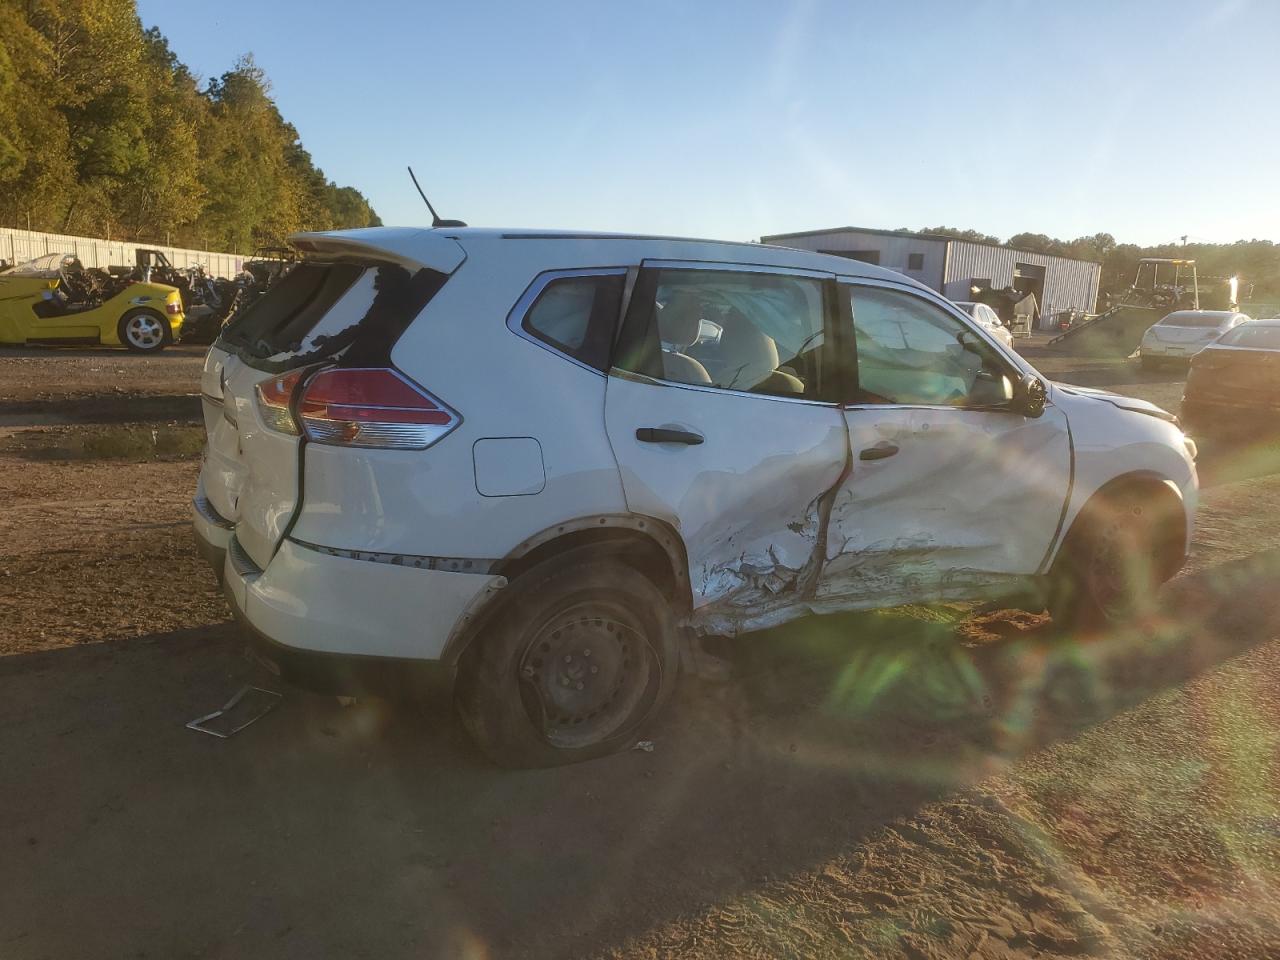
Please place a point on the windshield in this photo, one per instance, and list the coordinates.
(47, 266)
(1258, 336)
(1195, 319)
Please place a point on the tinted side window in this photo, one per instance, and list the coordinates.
(737, 330)
(910, 351)
(577, 316)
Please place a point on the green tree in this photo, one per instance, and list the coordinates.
(104, 130)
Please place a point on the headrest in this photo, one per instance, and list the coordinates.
(747, 356)
(680, 320)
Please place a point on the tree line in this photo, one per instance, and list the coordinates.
(1255, 262)
(105, 132)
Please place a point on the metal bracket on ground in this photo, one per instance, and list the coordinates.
(234, 720)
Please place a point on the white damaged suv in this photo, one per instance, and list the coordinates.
(532, 468)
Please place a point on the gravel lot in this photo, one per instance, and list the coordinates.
(928, 783)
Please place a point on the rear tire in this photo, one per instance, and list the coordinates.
(144, 331)
(581, 656)
(1108, 572)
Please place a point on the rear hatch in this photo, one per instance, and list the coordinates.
(346, 304)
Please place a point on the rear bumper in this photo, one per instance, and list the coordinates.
(342, 625)
(1171, 351)
(347, 675)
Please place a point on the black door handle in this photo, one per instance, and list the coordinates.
(881, 450)
(663, 435)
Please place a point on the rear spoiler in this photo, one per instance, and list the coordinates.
(410, 247)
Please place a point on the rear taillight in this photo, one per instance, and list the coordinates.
(371, 407)
(274, 398)
(174, 308)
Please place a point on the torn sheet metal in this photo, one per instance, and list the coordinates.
(248, 706)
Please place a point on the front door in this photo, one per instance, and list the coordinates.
(951, 492)
(722, 415)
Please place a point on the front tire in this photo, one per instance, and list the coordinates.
(1107, 573)
(144, 331)
(582, 655)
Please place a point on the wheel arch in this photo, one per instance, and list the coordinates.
(647, 544)
(1165, 494)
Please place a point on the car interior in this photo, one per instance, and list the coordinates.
(77, 291)
(735, 339)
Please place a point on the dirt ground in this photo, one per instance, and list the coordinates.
(925, 783)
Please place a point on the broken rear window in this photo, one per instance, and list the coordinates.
(332, 311)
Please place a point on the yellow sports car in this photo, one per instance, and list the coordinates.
(53, 299)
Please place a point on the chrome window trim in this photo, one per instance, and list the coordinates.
(718, 391)
(519, 312)
(934, 406)
(721, 266)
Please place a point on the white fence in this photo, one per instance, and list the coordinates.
(18, 246)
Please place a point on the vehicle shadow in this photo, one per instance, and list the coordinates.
(376, 829)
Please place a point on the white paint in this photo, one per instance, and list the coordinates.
(250, 473)
(973, 494)
(311, 601)
(508, 467)
(744, 500)
(778, 515)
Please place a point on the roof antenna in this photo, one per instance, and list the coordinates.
(435, 217)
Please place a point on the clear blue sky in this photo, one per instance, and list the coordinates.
(735, 119)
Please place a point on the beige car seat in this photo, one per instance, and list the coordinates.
(748, 359)
(679, 323)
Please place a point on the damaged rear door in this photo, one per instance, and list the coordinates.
(347, 303)
(722, 415)
(952, 492)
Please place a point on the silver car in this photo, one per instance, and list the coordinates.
(1184, 333)
(989, 319)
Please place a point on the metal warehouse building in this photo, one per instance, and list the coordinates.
(955, 267)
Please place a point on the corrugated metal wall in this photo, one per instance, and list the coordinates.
(893, 250)
(1068, 284)
(18, 246)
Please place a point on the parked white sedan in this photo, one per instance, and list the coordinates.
(536, 466)
(988, 318)
(1184, 333)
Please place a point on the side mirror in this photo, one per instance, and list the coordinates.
(1030, 396)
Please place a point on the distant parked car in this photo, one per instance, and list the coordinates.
(988, 319)
(1233, 387)
(53, 299)
(537, 466)
(1184, 333)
